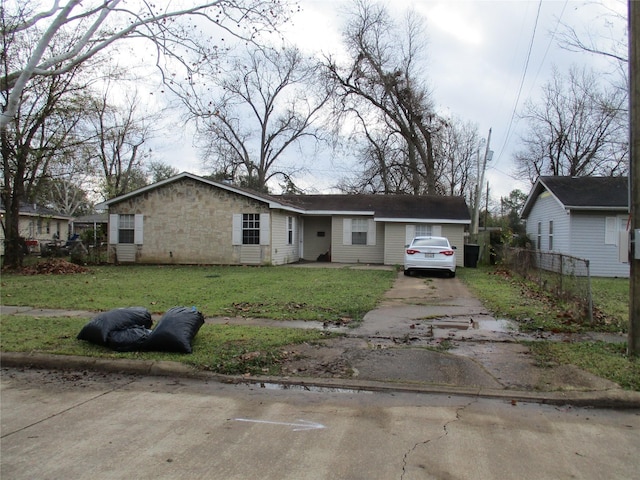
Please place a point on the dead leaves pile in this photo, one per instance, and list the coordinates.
(54, 266)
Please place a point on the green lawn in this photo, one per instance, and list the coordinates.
(511, 297)
(282, 293)
(226, 349)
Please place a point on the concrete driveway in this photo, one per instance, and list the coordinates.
(430, 330)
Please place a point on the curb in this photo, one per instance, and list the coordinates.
(615, 398)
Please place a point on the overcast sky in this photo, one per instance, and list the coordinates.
(485, 59)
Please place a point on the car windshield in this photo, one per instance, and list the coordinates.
(430, 242)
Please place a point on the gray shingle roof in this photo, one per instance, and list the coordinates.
(583, 193)
(589, 191)
(385, 206)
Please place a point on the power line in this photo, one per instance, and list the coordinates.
(524, 74)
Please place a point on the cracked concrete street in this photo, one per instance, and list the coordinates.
(85, 424)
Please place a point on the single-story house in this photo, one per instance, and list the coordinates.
(585, 217)
(187, 219)
(37, 225)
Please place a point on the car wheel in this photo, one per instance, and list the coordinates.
(407, 273)
(452, 274)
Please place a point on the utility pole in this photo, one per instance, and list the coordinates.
(479, 181)
(633, 341)
(486, 208)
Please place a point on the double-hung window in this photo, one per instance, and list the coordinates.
(126, 228)
(550, 234)
(251, 229)
(359, 229)
(289, 230)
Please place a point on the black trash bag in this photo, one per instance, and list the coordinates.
(175, 331)
(128, 339)
(99, 327)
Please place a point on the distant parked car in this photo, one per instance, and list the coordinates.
(430, 254)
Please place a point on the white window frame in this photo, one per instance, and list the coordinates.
(290, 230)
(264, 227)
(347, 231)
(138, 229)
(611, 230)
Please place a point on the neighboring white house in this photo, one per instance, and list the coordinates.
(37, 226)
(585, 217)
(188, 219)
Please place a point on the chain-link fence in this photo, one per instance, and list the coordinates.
(564, 276)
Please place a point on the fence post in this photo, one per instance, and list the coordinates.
(561, 273)
(590, 299)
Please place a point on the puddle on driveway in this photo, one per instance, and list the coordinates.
(490, 325)
(496, 325)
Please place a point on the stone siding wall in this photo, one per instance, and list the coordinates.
(189, 222)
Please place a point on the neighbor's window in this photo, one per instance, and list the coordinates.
(551, 235)
(424, 230)
(251, 229)
(289, 230)
(539, 239)
(359, 228)
(126, 228)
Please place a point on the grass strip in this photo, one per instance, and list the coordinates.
(604, 359)
(227, 349)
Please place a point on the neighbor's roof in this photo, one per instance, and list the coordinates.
(391, 208)
(582, 193)
(33, 210)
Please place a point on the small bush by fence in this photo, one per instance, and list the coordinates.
(564, 276)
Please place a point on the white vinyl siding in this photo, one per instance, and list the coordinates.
(358, 231)
(342, 250)
(589, 235)
(546, 210)
(588, 232)
(285, 245)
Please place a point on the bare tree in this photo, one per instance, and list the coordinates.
(382, 155)
(47, 45)
(269, 101)
(93, 26)
(117, 147)
(382, 82)
(579, 128)
(456, 147)
(612, 44)
(43, 133)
